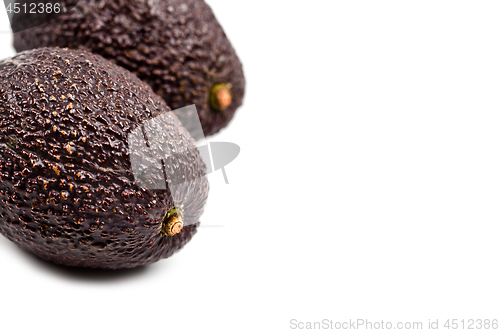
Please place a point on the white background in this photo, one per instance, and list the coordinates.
(368, 184)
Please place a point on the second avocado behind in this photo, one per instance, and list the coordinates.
(177, 47)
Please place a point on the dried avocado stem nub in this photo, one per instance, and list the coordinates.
(172, 222)
(221, 96)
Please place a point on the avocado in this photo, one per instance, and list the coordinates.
(77, 187)
(177, 47)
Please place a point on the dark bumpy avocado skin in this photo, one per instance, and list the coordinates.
(67, 192)
(176, 46)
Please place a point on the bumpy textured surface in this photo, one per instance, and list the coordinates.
(176, 46)
(67, 192)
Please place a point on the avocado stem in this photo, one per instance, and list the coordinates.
(221, 97)
(172, 222)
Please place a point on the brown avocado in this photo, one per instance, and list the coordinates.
(69, 187)
(176, 46)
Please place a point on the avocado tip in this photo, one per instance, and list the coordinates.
(221, 97)
(172, 223)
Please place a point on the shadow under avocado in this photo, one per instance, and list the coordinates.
(84, 274)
